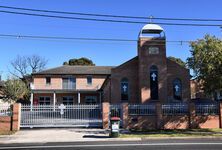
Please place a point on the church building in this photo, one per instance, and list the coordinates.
(148, 77)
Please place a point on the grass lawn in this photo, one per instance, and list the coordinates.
(7, 132)
(174, 133)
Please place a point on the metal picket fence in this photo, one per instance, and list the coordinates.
(140, 109)
(175, 109)
(5, 110)
(116, 111)
(57, 116)
(207, 109)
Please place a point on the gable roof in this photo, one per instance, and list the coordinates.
(70, 70)
(127, 62)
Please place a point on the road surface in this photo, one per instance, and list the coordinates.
(181, 144)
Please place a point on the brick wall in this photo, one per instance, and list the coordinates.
(160, 121)
(11, 123)
(5, 123)
(97, 81)
(81, 82)
(175, 71)
(40, 83)
(147, 60)
(106, 95)
(127, 70)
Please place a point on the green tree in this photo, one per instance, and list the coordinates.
(79, 62)
(178, 60)
(206, 62)
(13, 90)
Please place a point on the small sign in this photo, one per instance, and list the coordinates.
(153, 50)
(115, 127)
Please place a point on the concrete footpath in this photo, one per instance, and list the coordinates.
(54, 135)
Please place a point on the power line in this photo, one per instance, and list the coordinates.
(85, 39)
(107, 15)
(74, 13)
(188, 19)
(108, 20)
(75, 18)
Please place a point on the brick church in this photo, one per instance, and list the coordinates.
(148, 77)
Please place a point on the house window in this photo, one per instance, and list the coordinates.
(48, 80)
(89, 80)
(69, 83)
(154, 82)
(124, 89)
(177, 89)
(90, 99)
(67, 100)
(44, 100)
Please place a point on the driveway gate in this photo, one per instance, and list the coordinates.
(61, 116)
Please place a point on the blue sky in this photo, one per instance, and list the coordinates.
(102, 53)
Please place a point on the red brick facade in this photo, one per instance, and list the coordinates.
(137, 71)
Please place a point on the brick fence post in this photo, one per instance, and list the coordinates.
(16, 117)
(105, 115)
(125, 109)
(159, 115)
(192, 114)
(220, 114)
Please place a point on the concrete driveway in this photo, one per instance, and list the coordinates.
(55, 135)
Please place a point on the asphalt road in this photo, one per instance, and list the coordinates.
(182, 144)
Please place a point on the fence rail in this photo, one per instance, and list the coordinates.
(55, 116)
(116, 111)
(207, 109)
(140, 109)
(175, 109)
(5, 110)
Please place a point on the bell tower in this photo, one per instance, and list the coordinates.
(152, 64)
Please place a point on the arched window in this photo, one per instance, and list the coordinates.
(124, 89)
(154, 82)
(177, 89)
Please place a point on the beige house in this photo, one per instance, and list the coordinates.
(69, 85)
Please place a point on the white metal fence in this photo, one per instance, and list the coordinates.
(207, 109)
(61, 116)
(175, 109)
(116, 111)
(5, 110)
(140, 109)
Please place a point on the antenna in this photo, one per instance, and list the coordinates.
(150, 19)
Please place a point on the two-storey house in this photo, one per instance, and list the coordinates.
(69, 85)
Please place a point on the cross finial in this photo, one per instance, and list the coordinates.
(150, 19)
